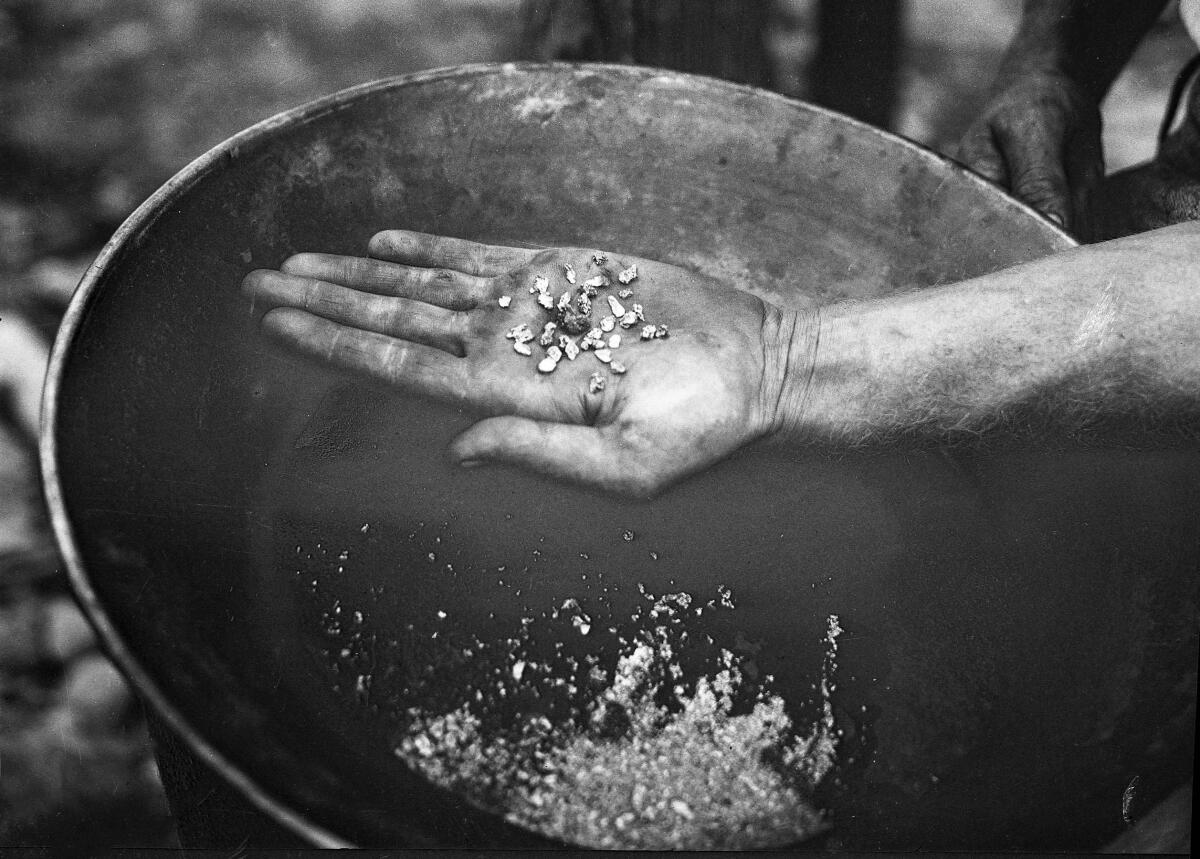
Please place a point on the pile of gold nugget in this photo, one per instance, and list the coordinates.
(569, 330)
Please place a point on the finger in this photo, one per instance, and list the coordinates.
(578, 453)
(445, 287)
(396, 317)
(1035, 165)
(423, 249)
(977, 150)
(408, 367)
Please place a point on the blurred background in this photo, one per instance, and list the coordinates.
(101, 101)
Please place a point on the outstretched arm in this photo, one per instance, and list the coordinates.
(1109, 332)
(1094, 339)
(1039, 134)
(623, 407)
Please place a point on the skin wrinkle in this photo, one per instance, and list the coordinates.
(312, 299)
(813, 358)
(786, 420)
(771, 342)
(459, 332)
(349, 269)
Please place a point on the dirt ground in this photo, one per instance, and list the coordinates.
(100, 102)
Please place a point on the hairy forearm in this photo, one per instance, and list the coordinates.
(1088, 41)
(1102, 336)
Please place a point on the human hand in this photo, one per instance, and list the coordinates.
(1039, 137)
(423, 316)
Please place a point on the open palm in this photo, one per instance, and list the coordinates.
(442, 317)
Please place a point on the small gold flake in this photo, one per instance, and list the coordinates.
(648, 332)
(682, 809)
(554, 354)
(569, 271)
(629, 320)
(522, 349)
(628, 275)
(540, 283)
(547, 365)
(615, 306)
(596, 282)
(599, 259)
(608, 323)
(545, 300)
(595, 383)
(614, 342)
(604, 355)
(504, 300)
(571, 350)
(625, 293)
(616, 366)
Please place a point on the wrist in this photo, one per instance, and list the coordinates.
(839, 360)
(797, 375)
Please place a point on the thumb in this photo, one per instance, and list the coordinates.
(581, 454)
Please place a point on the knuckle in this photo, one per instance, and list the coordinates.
(348, 268)
(391, 315)
(477, 254)
(312, 294)
(495, 258)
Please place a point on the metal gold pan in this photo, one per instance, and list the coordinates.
(1017, 624)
